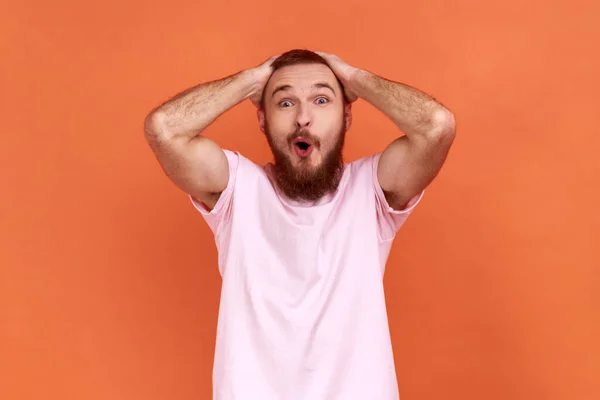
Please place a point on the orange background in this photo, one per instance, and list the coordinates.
(108, 281)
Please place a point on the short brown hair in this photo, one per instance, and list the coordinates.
(297, 56)
(294, 57)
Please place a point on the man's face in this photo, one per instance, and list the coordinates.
(305, 120)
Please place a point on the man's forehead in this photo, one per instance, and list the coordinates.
(302, 77)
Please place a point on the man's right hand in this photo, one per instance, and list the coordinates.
(261, 75)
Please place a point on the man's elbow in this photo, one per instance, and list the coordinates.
(154, 126)
(443, 128)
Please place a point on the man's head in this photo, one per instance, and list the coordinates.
(305, 116)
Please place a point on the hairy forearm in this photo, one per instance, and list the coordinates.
(190, 112)
(414, 112)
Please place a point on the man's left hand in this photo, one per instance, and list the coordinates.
(343, 71)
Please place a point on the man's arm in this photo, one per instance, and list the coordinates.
(411, 162)
(196, 164)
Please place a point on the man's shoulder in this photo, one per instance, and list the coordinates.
(245, 167)
(365, 164)
(240, 159)
(358, 174)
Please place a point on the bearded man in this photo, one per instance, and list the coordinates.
(303, 241)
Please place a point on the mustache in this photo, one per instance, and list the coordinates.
(304, 133)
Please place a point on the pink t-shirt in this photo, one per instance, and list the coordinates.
(302, 313)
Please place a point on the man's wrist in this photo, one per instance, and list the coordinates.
(356, 79)
(251, 82)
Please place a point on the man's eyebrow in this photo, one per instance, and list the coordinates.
(318, 85)
(280, 88)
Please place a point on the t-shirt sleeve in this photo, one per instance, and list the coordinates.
(220, 215)
(389, 219)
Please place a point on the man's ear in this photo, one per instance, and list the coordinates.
(261, 119)
(348, 115)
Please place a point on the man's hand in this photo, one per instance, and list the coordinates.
(343, 71)
(260, 76)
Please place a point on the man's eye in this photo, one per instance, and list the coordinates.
(285, 103)
(322, 100)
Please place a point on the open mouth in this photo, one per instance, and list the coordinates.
(303, 147)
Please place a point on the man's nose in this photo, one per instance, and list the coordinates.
(303, 118)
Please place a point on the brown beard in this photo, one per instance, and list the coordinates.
(305, 183)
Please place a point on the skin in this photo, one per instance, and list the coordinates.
(297, 98)
(199, 167)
